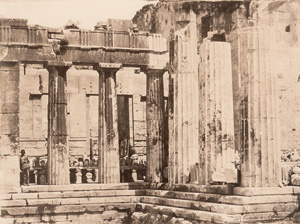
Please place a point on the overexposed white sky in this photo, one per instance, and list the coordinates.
(56, 13)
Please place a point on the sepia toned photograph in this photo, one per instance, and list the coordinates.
(149, 111)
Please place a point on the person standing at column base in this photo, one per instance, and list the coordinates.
(24, 164)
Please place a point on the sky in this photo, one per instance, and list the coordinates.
(56, 13)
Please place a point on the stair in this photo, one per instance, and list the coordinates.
(94, 203)
(215, 208)
(142, 203)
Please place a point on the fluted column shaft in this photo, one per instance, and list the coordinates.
(258, 111)
(183, 97)
(58, 147)
(155, 125)
(108, 141)
(217, 153)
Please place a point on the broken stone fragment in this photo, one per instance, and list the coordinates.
(119, 24)
(72, 24)
(101, 26)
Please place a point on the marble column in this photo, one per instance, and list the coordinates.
(58, 147)
(183, 97)
(258, 111)
(155, 124)
(9, 130)
(216, 131)
(108, 142)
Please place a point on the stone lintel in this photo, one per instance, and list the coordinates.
(127, 57)
(109, 65)
(154, 70)
(33, 65)
(59, 63)
(83, 67)
(8, 62)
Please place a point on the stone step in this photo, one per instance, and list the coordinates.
(258, 191)
(212, 217)
(263, 199)
(72, 194)
(206, 197)
(267, 217)
(225, 199)
(8, 212)
(270, 208)
(84, 187)
(221, 208)
(248, 204)
(70, 201)
(197, 205)
(211, 189)
(75, 197)
(69, 214)
(201, 216)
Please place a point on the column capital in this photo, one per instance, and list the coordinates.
(108, 66)
(154, 71)
(59, 64)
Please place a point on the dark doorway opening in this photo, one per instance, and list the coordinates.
(129, 170)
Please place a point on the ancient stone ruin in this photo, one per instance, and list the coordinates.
(189, 113)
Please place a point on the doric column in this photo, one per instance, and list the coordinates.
(58, 147)
(155, 124)
(183, 97)
(217, 151)
(108, 142)
(9, 120)
(258, 106)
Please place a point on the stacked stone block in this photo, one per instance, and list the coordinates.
(9, 129)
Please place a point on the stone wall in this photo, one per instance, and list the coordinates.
(33, 109)
(9, 128)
